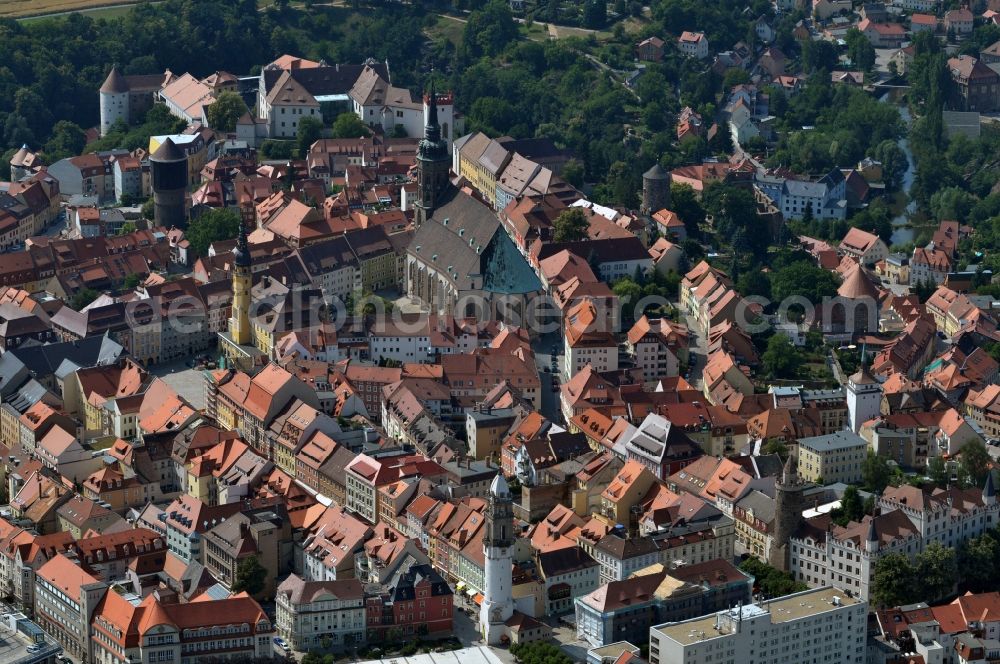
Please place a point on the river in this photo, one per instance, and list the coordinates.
(903, 232)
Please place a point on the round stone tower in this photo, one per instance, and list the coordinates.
(169, 170)
(655, 190)
(114, 100)
(788, 502)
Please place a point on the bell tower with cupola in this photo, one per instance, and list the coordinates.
(239, 323)
(498, 598)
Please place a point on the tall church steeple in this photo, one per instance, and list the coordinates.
(498, 598)
(432, 161)
(239, 322)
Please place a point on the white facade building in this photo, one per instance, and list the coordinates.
(317, 615)
(910, 520)
(823, 625)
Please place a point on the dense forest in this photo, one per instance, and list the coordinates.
(53, 68)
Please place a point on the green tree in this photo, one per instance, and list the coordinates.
(980, 562)
(223, 113)
(781, 359)
(275, 149)
(952, 203)
(734, 211)
(349, 125)
(819, 55)
(310, 130)
(67, 140)
(894, 581)
(735, 76)
(852, 508)
(595, 14)
(775, 446)
(893, 160)
(685, 204)
(770, 581)
(974, 459)
(539, 652)
(860, 50)
(924, 289)
(212, 226)
(127, 227)
(489, 30)
(803, 279)
(573, 173)
(628, 291)
(937, 470)
(250, 576)
(131, 281)
(82, 298)
(148, 209)
(875, 472)
(754, 282)
(571, 225)
(937, 569)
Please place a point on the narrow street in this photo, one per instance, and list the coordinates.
(543, 346)
(697, 351)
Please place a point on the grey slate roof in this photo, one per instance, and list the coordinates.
(840, 440)
(494, 158)
(463, 239)
(760, 504)
(52, 359)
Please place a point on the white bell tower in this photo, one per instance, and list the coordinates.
(498, 601)
(864, 397)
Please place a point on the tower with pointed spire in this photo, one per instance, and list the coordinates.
(788, 504)
(989, 491)
(432, 162)
(864, 396)
(114, 100)
(239, 322)
(127, 98)
(498, 597)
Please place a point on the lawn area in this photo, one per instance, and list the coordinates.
(535, 31)
(449, 28)
(18, 8)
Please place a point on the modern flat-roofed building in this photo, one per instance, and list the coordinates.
(821, 625)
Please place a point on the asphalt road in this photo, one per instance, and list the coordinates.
(697, 351)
